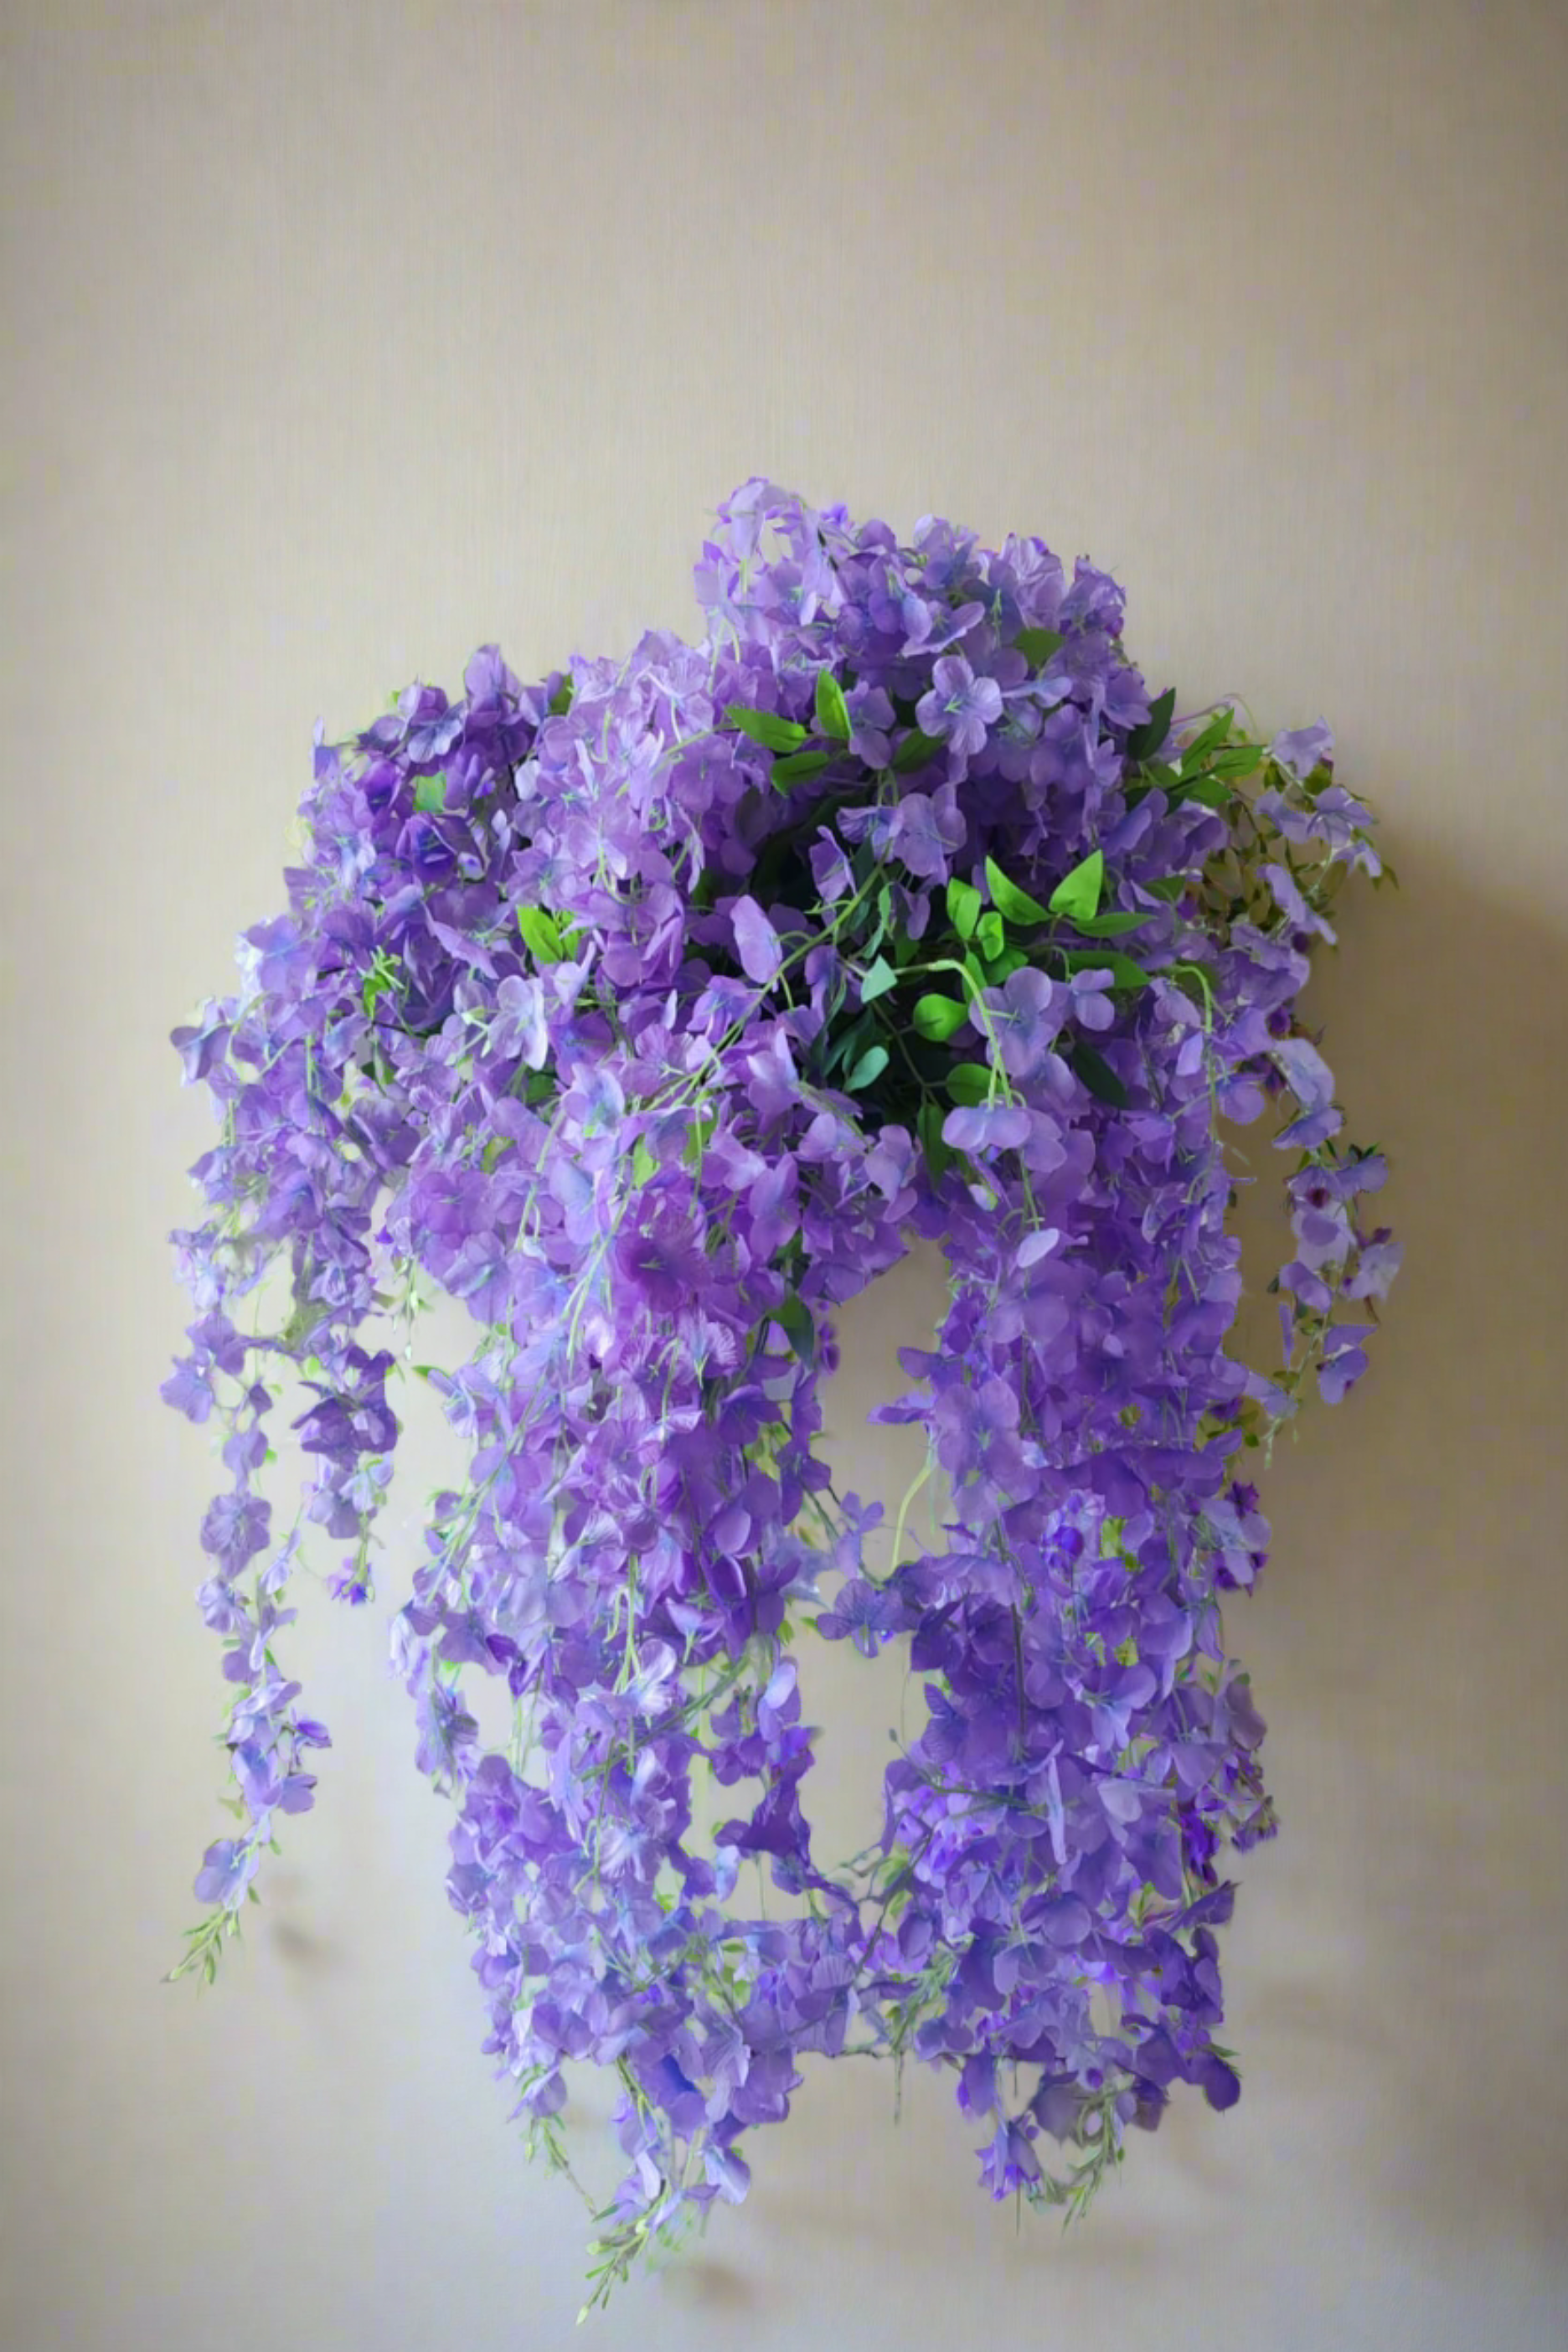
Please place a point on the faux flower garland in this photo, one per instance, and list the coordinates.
(651, 1011)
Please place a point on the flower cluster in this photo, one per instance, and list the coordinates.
(652, 1010)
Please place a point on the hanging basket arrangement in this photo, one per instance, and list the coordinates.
(653, 1009)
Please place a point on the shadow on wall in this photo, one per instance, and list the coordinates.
(1395, 1970)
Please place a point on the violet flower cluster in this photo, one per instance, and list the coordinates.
(653, 1009)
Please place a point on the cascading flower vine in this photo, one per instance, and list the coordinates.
(652, 1010)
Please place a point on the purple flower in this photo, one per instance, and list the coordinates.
(448, 1735)
(227, 1869)
(1092, 1007)
(202, 1049)
(925, 831)
(959, 707)
(1300, 750)
(771, 1200)
(188, 1389)
(863, 1613)
(985, 1127)
(429, 845)
(1311, 1082)
(236, 1529)
(1007, 2161)
(518, 1025)
(1026, 1014)
(1334, 818)
(756, 942)
(660, 1257)
(1379, 1262)
(928, 628)
(830, 867)
(1094, 601)
(1287, 895)
(1343, 1361)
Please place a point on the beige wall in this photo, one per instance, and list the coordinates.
(341, 338)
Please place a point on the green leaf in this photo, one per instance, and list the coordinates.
(988, 933)
(851, 1043)
(1152, 774)
(1243, 760)
(1128, 973)
(964, 905)
(832, 710)
(1077, 895)
(697, 1141)
(765, 727)
(969, 1082)
(541, 934)
(939, 1155)
(539, 1086)
(1168, 885)
(792, 1317)
(1016, 905)
(1111, 926)
(430, 793)
(876, 980)
(644, 1164)
(1209, 792)
(1001, 968)
(561, 700)
(1215, 733)
(1038, 645)
(868, 1069)
(1147, 739)
(914, 751)
(936, 1017)
(381, 980)
(883, 904)
(799, 763)
(1098, 1076)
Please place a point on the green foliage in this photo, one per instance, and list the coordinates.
(1098, 1074)
(964, 905)
(1077, 893)
(1111, 926)
(969, 1083)
(832, 710)
(928, 1126)
(1038, 645)
(915, 750)
(765, 727)
(936, 1017)
(796, 764)
(1015, 905)
(1147, 739)
(541, 935)
(1127, 974)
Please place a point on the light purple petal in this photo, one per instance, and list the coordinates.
(756, 942)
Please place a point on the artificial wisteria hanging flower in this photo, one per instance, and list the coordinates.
(653, 1009)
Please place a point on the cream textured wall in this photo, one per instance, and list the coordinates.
(341, 338)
